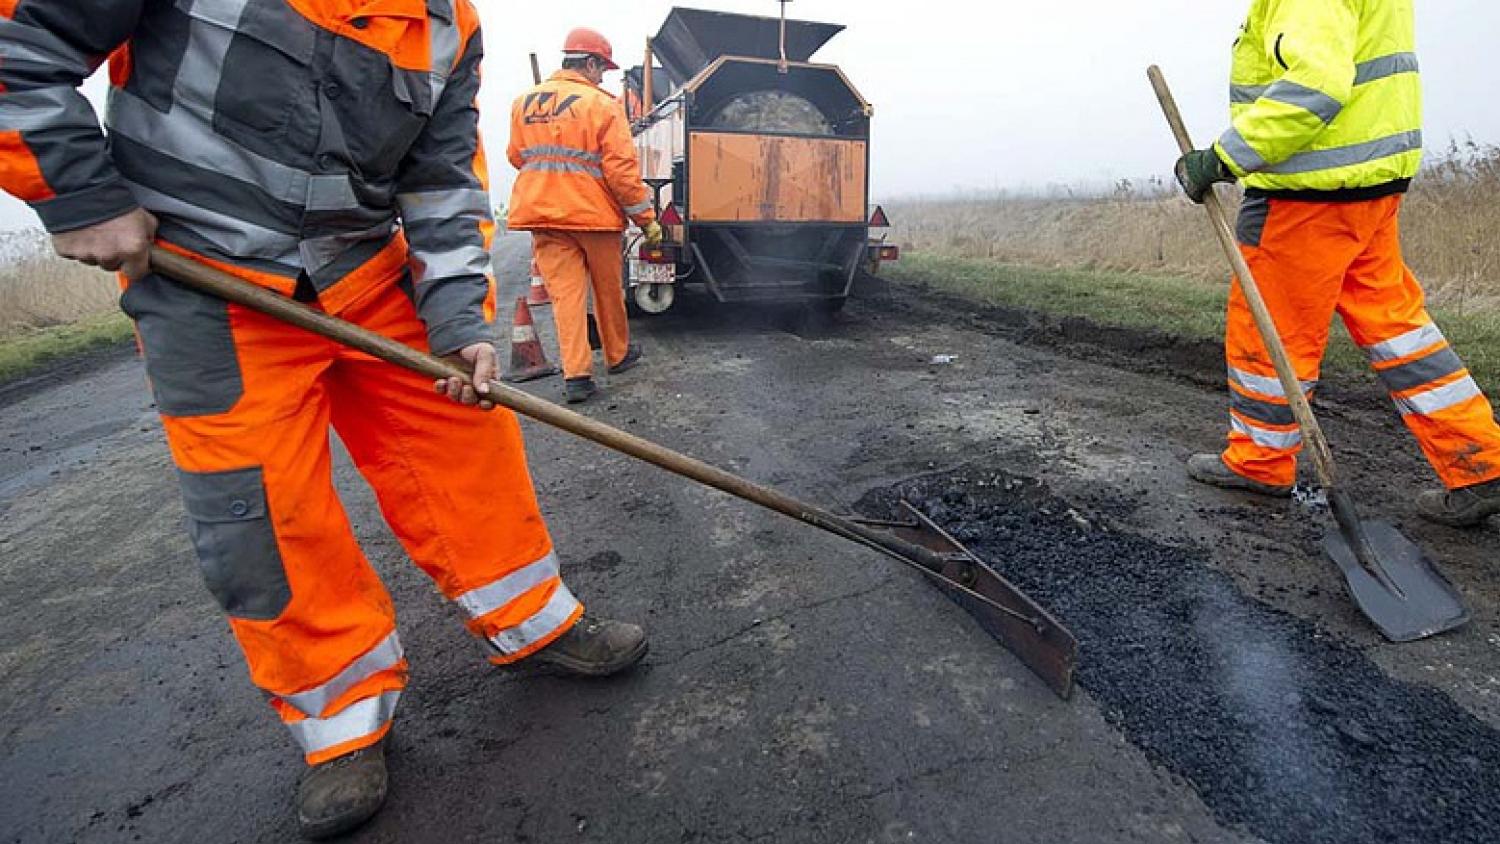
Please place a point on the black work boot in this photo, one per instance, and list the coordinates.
(1466, 506)
(633, 355)
(342, 793)
(1210, 469)
(595, 647)
(578, 390)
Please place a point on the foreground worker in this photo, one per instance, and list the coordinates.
(1326, 136)
(283, 140)
(579, 181)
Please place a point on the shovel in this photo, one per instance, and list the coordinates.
(1391, 579)
(1002, 610)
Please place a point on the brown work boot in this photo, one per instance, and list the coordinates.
(633, 355)
(1210, 469)
(595, 647)
(342, 793)
(1466, 506)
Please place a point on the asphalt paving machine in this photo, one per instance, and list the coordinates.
(759, 162)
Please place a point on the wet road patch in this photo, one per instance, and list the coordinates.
(1283, 731)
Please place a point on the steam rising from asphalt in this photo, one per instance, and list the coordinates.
(1261, 687)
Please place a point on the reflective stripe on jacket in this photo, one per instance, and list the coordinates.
(1325, 96)
(579, 171)
(284, 136)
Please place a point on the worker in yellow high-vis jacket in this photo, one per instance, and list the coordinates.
(1326, 136)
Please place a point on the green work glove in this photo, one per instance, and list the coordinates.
(652, 231)
(1198, 171)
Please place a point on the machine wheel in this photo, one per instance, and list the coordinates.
(655, 298)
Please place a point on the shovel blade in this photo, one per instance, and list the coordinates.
(1427, 604)
(1037, 639)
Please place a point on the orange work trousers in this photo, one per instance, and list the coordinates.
(247, 403)
(1312, 260)
(571, 264)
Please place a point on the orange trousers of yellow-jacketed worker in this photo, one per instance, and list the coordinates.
(247, 403)
(1312, 260)
(572, 263)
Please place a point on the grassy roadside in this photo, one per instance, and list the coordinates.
(25, 352)
(1180, 306)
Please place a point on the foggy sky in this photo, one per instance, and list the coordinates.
(999, 94)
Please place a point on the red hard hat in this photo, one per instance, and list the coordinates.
(586, 42)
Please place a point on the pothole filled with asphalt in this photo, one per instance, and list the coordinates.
(1282, 730)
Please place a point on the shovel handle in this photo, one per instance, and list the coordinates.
(225, 286)
(1317, 444)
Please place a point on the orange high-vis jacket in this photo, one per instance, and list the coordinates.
(579, 171)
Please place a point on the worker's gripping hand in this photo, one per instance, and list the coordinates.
(653, 233)
(485, 366)
(121, 244)
(1198, 171)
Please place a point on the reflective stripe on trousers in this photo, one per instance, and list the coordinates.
(1280, 440)
(1423, 374)
(359, 720)
(494, 608)
(383, 657)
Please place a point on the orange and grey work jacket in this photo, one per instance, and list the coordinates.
(579, 171)
(301, 140)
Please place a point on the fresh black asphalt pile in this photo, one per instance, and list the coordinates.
(1284, 732)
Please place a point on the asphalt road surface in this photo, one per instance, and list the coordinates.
(799, 689)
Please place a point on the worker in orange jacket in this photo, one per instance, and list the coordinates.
(579, 181)
(1325, 101)
(327, 150)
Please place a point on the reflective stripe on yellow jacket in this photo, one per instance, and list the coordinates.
(579, 171)
(1325, 96)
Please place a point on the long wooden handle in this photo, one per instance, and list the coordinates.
(209, 280)
(1317, 445)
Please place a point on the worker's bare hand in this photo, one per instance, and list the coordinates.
(121, 244)
(481, 359)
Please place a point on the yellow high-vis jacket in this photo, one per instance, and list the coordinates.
(1325, 98)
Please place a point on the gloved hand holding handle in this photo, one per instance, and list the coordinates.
(1197, 171)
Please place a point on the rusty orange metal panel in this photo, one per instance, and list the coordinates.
(769, 178)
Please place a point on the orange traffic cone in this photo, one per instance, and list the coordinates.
(537, 294)
(528, 361)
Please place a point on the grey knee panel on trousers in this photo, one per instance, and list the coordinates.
(229, 519)
(190, 353)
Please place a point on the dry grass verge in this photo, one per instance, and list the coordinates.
(1143, 257)
(51, 308)
(1449, 230)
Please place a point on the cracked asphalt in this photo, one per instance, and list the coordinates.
(799, 688)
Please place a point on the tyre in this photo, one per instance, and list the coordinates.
(654, 298)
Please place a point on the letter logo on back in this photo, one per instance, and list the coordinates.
(544, 107)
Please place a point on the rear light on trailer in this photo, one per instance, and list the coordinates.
(890, 253)
(663, 254)
(670, 217)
